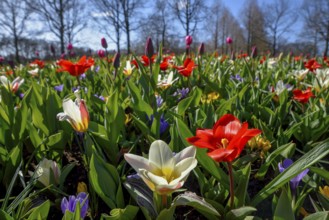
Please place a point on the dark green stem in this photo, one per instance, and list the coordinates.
(230, 173)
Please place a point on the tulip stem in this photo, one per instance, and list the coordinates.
(230, 173)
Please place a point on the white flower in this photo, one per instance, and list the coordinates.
(34, 72)
(299, 74)
(128, 69)
(11, 86)
(76, 113)
(280, 87)
(164, 172)
(47, 171)
(321, 79)
(166, 81)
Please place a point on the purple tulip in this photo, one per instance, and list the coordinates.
(101, 53)
(294, 181)
(2, 59)
(116, 60)
(69, 47)
(70, 204)
(52, 49)
(104, 43)
(149, 49)
(229, 40)
(188, 40)
(201, 49)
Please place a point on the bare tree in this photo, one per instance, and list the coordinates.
(130, 18)
(278, 20)
(254, 24)
(64, 18)
(109, 15)
(13, 16)
(189, 13)
(316, 18)
(157, 24)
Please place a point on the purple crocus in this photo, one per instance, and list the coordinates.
(71, 203)
(59, 88)
(163, 123)
(182, 93)
(159, 101)
(294, 181)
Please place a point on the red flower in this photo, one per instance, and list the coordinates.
(225, 140)
(302, 96)
(75, 69)
(166, 63)
(187, 68)
(312, 65)
(40, 63)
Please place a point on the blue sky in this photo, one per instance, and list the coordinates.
(92, 37)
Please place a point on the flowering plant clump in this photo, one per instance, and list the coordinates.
(200, 134)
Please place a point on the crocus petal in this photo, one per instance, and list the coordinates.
(64, 205)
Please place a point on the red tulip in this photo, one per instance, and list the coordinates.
(187, 68)
(75, 69)
(226, 140)
(302, 96)
(312, 65)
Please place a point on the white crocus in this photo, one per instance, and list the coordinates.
(47, 172)
(11, 86)
(164, 172)
(76, 113)
(166, 81)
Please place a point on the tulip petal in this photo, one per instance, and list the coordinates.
(184, 168)
(160, 154)
(137, 162)
(72, 110)
(185, 153)
(226, 155)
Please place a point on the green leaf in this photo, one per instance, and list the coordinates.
(307, 160)
(5, 216)
(15, 157)
(167, 214)
(318, 216)
(283, 209)
(198, 203)
(127, 213)
(100, 171)
(240, 213)
(40, 212)
(137, 100)
(321, 172)
(210, 165)
(194, 100)
(241, 190)
(270, 158)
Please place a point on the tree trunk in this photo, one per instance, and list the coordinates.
(61, 29)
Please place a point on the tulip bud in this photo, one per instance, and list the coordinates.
(2, 59)
(37, 53)
(149, 50)
(188, 40)
(229, 40)
(63, 55)
(254, 52)
(70, 46)
(101, 53)
(201, 49)
(116, 60)
(104, 43)
(52, 49)
(47, 172)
